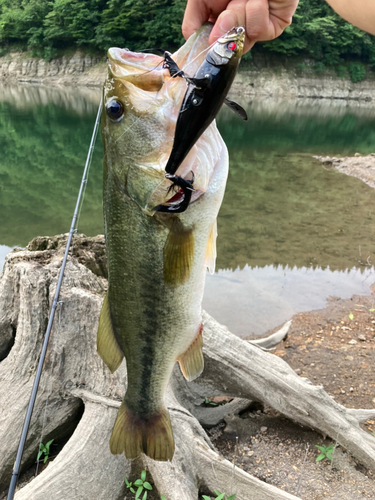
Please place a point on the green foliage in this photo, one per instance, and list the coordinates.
(142, 486)
(44, 449)
(357, 72)
(219, 496)
(325, 452)
(319, 66)
(317, 32)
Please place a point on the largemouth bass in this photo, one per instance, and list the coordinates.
(156, 261)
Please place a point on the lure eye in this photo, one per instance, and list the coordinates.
(232, 46)
(115, 110)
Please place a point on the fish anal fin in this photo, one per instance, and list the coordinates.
(178, 255)
(106, 342)
(191, 362)
(236, 108)
(134, 434)
(211, 249)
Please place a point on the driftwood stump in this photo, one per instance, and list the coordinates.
(81, 394)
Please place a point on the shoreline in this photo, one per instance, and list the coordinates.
(82, 70)
(360, 166)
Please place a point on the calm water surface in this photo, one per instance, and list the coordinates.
(291, 233)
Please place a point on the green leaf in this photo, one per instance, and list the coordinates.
(220, 497)
(143, 475)
(139, 491)
(138, 482)
(217, 492)
(321, 448)
(147, 485)
(49, 444)
(144, 496)
(45, 459)
(162, 497)
(320, 457)
(232, 497)
(351, 316)
(205, 497)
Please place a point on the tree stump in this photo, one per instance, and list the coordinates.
(77, 390)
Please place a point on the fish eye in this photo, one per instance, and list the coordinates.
(115, 110)
(231, 46)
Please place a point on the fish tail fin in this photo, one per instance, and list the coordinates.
(134, 435)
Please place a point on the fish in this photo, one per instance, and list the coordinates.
(152, 312)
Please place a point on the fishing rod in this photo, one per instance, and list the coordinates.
(17, 464)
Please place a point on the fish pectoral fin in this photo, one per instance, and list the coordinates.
(234, 106)
(211, 249)
(178, 255)
(106, 342)
(134, 434)
(191, 362)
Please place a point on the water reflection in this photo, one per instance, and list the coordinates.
(254, 300)
(80, 100)
(281, 210)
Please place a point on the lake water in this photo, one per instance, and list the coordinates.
(291, 233)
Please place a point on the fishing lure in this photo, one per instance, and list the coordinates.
(206, 92)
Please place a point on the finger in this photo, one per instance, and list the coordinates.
(198, 12)
(266, 20)
(234, 15)
(258, 20)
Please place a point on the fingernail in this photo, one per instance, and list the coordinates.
(227, 21)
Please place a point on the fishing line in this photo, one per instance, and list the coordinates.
(17, 464)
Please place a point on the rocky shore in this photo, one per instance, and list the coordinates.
(87, 70)
(362, 167)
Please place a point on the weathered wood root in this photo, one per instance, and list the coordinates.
(85, 468)
(74, 372)
(238, 369)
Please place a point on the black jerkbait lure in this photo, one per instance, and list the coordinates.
(205, 95)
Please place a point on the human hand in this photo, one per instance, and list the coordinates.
(262, 19)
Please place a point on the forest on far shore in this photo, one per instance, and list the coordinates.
(48, 26)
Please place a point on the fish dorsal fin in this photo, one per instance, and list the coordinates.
(191, 362)
(234, 106)
(106, 342)
(178, 254)
(211, 249)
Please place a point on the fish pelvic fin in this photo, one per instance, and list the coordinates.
(134, 434)
(178, 254)
(106, 342)
(191, 362)
(211, 249)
